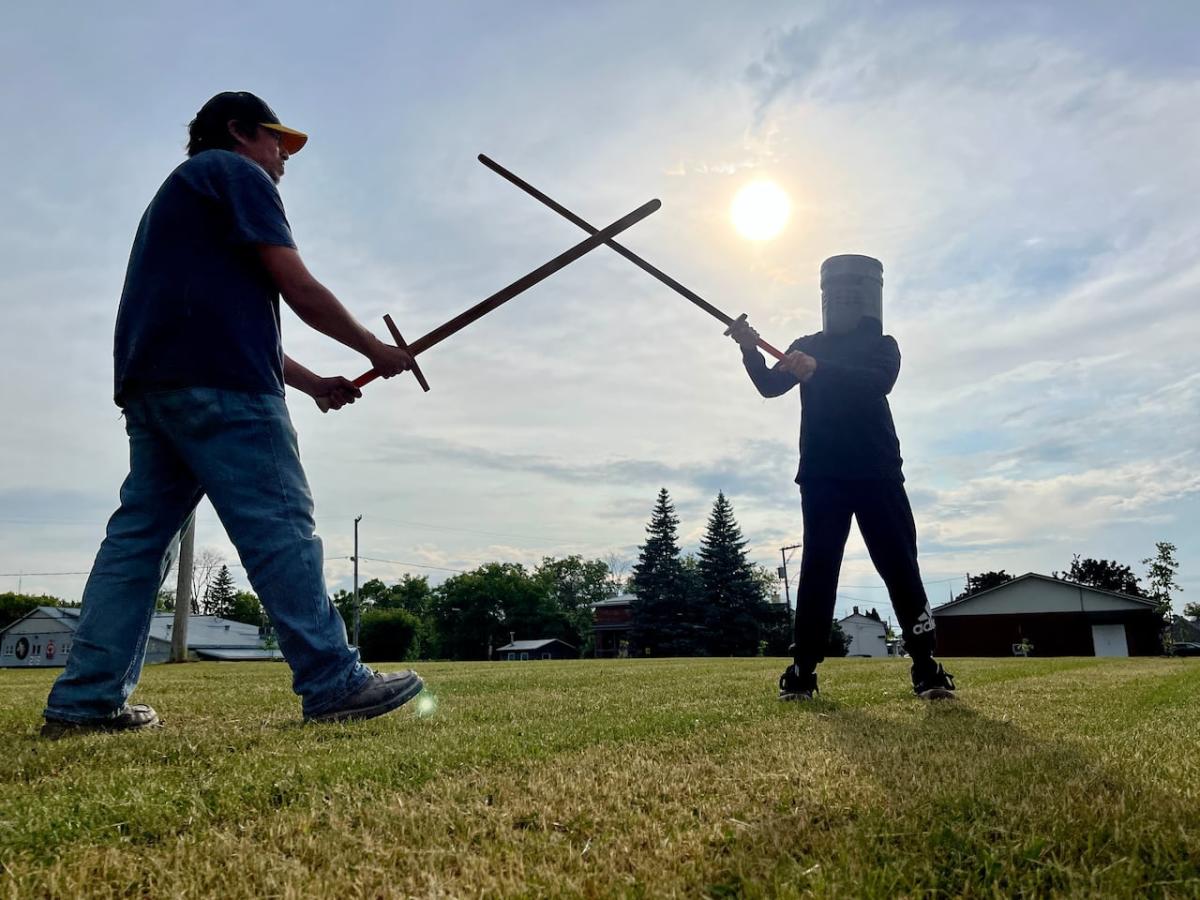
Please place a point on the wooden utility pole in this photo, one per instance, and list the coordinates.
(183, 590)
(783, 575)
(357, 612)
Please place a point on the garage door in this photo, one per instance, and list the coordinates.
(1109, 640)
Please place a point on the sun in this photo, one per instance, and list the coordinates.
(760, 210)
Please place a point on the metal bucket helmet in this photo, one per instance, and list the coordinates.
(851, 290)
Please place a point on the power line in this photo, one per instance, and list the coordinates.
(24, 521)
(38, 574)
(238, 565)
(407, 523)
(881, 587)
(841, 596)
(399, 562)
(505, 534)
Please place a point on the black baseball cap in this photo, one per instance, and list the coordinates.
(246, 107)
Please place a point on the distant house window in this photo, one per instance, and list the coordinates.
(512, 656)
(546, 656)
(524, 656)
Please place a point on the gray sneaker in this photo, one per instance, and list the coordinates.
(382, 693)
(128, 718)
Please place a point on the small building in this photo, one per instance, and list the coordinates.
(547, 648)
(1049, 617)
(612, 626)
(43, 638)
(868, 635)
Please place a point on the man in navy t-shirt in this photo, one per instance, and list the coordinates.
(200, 374)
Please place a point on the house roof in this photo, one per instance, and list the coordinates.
(236, 654)
(208, 631)
(862, 618)
(619, 600)
(69, 613)
(1187, 627)
(533, 645)
(211, 632)
(1056, 581)
(59, 612)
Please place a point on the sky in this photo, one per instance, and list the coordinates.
(1027, 176)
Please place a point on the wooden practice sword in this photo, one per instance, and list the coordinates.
(483, 307)
(624, 251)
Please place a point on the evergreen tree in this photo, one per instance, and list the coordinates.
(734, 608)
(658, 583)
(221, 596)
(689, 635)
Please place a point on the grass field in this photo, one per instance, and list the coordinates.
(1075, 777)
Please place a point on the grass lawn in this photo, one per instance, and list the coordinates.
(1074, 777)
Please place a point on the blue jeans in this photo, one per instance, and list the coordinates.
(240, 449)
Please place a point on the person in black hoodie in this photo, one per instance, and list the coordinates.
(850, 465)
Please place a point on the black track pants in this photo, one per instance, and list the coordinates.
(885, 521)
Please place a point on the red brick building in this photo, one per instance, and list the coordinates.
(613, 623)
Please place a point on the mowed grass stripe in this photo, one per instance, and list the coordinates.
(688, 777)
(226, 763)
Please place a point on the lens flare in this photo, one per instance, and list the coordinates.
(760, 210)
(426, 705)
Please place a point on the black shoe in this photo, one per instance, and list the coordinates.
(796, 684)
(129, 718)
(932, 682)
(381, 694)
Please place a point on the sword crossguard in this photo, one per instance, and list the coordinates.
(741, 318)
(403, 345)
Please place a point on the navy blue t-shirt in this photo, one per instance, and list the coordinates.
(846, 428)
(198, 308)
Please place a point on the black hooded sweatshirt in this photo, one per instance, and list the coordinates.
(846, 428)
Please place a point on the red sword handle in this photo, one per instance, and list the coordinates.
(368, 377)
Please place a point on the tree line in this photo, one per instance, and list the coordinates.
(711, 603)
(714, 602)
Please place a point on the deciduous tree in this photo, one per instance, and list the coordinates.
(573, 584)
(1162, 572)
(983, 582)
(1106, 574)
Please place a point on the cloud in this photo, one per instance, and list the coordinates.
(1017, 169)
